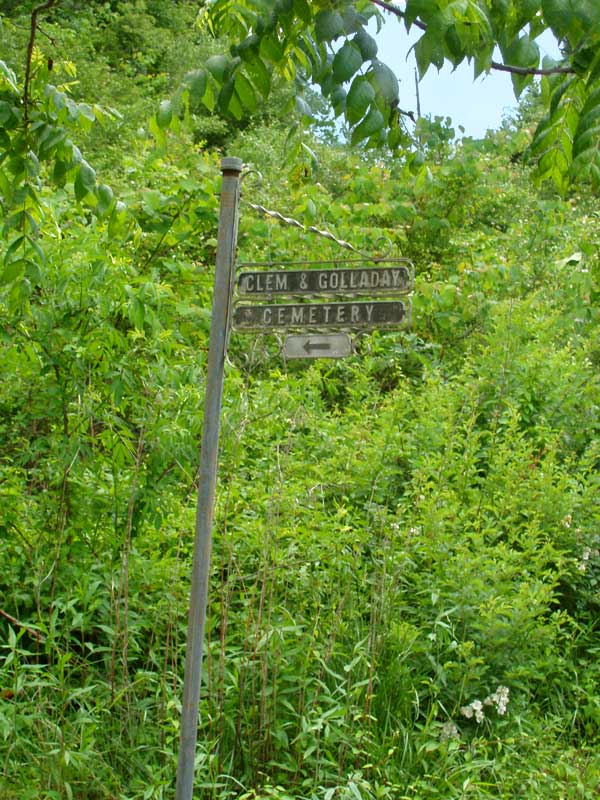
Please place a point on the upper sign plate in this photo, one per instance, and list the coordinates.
(357, 281)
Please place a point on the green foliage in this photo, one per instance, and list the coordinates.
(404, 588)
(331, 46)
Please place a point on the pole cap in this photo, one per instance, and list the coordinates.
(231, 164)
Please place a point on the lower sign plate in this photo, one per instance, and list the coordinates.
(366, 315)
(332, 345)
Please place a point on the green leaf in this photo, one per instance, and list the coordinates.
(396, 136)
(13, 247)
(225, 96)
(117, 224)
(453, 45)
(419, 9)
(384, 81)
(266, 24)
(136, 313)
(416, 161)
(196, 81)
(353, 21)
(571, 18)
(13, 270)
(32, 270)
(346, 62)
(105, 198)
(33, 165)
(338, 100)
(423, 181)
(85, 181)
(359, 98)
(482, 61)
(271, 49)
(59, 99)
(302, 10)
(371, 124)
(429, 50)
(310, 153)
(60, 172)
(164, 115)
(88, 175)
(41, 256)
(245, 92)
(522, 52)
(303, 108)
(366, 44)
(86, 111)
(329, 25)
(49, 139)
(217, 66)
(552, 143)
(583, 58)
(9, 77)
(261, 77)
(559, 92)
(248, 46)
(594, 71)
(586, 143)
(7, 112)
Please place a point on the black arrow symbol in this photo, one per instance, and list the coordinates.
(310, 346)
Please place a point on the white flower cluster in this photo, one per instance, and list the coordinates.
(449, 731)
(473, 709)
(585, 557)
(499, 699)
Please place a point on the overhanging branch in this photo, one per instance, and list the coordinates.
(566, 70)
(398, 12)
(531, 70)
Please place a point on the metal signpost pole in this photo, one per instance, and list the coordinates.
(226, 245)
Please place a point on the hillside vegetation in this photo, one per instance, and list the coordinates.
(404, 596)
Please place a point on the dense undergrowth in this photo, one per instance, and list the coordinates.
(404, 595)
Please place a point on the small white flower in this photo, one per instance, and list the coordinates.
(585, 557)
(477, 706)
(474, 709)
(499, 699)
(449, 731)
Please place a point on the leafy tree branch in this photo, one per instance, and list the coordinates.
(515, 70)
(531, 70)
(31, 44)
(398, 12)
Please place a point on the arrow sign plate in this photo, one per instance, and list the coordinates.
(332, 345)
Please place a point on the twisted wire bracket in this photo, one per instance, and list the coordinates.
(317, 231)
(256, 174)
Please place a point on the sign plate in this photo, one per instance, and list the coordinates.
(322, 315)
(330, 345)
(398, 279)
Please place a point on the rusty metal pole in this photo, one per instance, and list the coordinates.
(207, 477)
